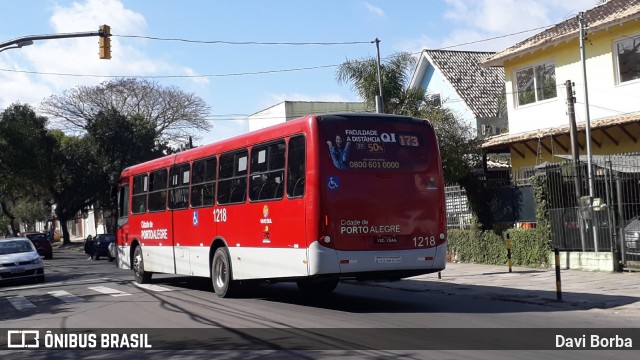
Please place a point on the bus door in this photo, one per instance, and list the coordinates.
(122, 225)
(178, 203)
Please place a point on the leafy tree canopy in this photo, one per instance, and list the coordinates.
(176, 115)
(120, 142)
(25, 159)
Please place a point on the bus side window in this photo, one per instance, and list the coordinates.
(232, 182)
(139, 198)
(267, 171)
(203, 185)
(179, 186)
(296, 167)
(158, 190)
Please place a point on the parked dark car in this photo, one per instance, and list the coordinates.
(101, 246)
(42, 243)
(632, 235)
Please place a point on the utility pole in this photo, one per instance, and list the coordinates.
(379, 102)
(583, 34)
(575, 153)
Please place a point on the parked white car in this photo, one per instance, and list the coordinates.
(632, 235)
(19, 260)
(113, 251)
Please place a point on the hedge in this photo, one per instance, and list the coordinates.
(529, 247)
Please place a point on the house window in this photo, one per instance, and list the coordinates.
(536, 83)
(628, 52)
(435, 100)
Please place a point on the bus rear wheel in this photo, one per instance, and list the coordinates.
(142, 277)
(221, 274)
(317, 287)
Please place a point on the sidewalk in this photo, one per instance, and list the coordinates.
(619, 292)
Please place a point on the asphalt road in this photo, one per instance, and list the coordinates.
(84, 294)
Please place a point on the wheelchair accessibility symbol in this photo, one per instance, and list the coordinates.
(333, 182)
(195, 218)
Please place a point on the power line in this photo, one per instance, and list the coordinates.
(172, 76)
(247, 43)
(244, 42)
(495, 38)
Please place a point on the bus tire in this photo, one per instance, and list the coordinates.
(318, 287)
(142, 277)
(221, 274)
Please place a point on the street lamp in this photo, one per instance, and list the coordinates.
(18, 45)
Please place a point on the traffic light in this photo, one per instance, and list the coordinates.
(105, 42)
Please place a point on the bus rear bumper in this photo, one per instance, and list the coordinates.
(376, 264)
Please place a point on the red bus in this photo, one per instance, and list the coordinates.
(313, 200)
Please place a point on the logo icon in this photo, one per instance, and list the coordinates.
(265, 211)
(21, 339)
(333, 182)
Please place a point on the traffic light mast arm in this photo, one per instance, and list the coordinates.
(48, 37)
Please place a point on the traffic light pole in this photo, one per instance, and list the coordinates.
(47, 37)
(28, 40)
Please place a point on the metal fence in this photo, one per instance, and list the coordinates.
(458, 209)
(601, 214)
(509, 205)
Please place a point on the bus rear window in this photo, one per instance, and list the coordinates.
(378, 147)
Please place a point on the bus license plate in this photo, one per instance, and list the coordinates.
(385, 240)
(388, 259)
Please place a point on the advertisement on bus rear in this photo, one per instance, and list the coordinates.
(375, 146)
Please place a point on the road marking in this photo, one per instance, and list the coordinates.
(109, 291)
(152, 287)
(20, 302)
(66, 297)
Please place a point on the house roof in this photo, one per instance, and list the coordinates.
(479, 87)
(613, 12)
(500, 143)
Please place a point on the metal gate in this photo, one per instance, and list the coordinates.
(608, 221)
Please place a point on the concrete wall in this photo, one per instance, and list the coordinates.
(589, 261)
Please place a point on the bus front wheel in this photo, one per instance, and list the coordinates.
(142, 277)
(221, 275)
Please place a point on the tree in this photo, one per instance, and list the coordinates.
(120, 142)
(75, 180)
(175, 114)
(458, 147)
(25, 159)
(397, 97)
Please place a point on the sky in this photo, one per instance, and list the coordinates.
(234, 54)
